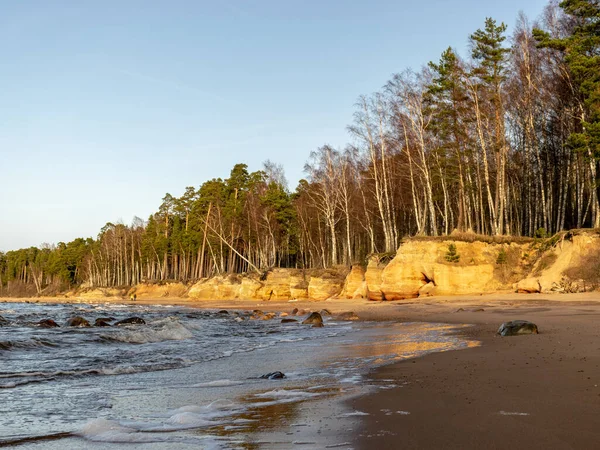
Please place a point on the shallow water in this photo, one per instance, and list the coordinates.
(188, 378)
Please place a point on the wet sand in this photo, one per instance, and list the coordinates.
(536, 391)
(533, 391)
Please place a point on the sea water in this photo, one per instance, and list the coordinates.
(188, 378)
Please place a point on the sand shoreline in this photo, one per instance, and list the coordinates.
(540, 391)
(536, 391)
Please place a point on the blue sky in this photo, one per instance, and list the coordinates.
(107, 105)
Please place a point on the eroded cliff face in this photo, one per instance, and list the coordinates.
(423, 268)
(569, 262)
(355, 285)
(279, 284)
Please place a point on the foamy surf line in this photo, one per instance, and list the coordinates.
(342, 378)
(213, 356)
(228, 416)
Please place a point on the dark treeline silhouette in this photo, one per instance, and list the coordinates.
(502, 142)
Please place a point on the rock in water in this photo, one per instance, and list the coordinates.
(288, 321)
(102, 322)
(47, 323)
(3, 321)
(131, 321)
(273, 376)
(77, 322)
(313, 319)
(517, 327)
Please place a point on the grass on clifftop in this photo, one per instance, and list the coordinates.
(464, 236)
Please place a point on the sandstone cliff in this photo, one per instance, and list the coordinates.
(568, 262)
(278, 284)
(468, 264)
(451, 267)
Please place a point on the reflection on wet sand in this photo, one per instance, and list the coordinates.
(272, 419)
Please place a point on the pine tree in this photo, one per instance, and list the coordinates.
(447, 100)
(582, 55)
(490, 58)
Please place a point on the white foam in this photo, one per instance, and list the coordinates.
(507, 413)
(282, 396)
(355, 413)
(214, 409)
(354, 379)
(102, 430)
(167, 330)
(179, 421)
(217, 383)
(286, 393)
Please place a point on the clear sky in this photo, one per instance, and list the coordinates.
(107, 105)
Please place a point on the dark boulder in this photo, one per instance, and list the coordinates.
(131, 321)
(77, 322)
(325, 312)
(517, 327)
(103, 322)
(223, 312)
(106, 319)
(318, 325)
(294, 311)
(47, 323)
(273, 376)
(313, 319)
(289, 321)
(3, 321)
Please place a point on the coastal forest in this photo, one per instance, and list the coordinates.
(501, 139)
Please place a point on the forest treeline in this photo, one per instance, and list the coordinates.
(504, 141)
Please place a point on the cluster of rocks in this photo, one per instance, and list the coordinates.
(315, 318)
(99, 322)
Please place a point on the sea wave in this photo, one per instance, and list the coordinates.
(29, 343)
(103, 430)
(187, 417)
(22, 378)
(159, 331)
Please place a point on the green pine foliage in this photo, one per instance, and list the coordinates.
(581, 51)
(451, 255)
(502, 258)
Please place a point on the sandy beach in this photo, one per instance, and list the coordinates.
(535, 391)
(538, 391)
